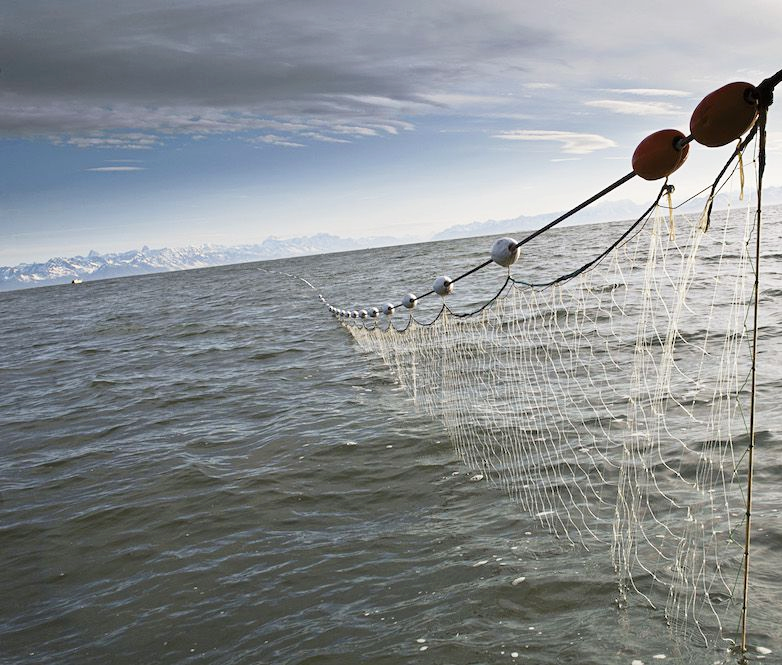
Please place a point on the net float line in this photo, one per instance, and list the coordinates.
(723, 116)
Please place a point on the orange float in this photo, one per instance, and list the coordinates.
(724, 115)
(658, 155)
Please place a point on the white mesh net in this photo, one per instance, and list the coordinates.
(611, 406)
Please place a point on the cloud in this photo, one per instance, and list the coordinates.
(635, 108)
(540, 86)
(134, 141)
(81, 70)
(273, 139)
(774, 141)
(115, 169)
(317, 136)
(337, 68)
(572, 142)
(649, 92)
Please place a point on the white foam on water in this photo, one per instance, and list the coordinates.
(518, 581)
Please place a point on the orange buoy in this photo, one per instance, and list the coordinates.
(657, 156)
(724, 115)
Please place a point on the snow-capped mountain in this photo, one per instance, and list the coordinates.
(137, 262)
(603, 211)
(141, 261)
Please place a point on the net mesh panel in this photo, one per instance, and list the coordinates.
(611, 406)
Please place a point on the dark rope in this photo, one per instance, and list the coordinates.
(543, 229)
(470, 272)
(462, 315)
(575, 273)
(739, 149)
(573, 211)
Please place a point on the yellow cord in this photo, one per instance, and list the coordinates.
(741, 174)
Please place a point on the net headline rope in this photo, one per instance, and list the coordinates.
(760, 95)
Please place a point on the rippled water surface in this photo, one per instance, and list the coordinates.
(201, 467)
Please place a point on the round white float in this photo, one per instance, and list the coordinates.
(504, 252)
(443, 286)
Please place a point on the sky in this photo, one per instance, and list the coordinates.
(184, 122)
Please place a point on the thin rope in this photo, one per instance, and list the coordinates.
(580, 206)
(751, 452)
(575, 273)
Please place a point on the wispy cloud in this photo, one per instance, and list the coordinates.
(323, 138)
(540, 86)
(626, 107)
(115, 169)
(572, 143)
(274, 139)
(649, 92)
(134, 141)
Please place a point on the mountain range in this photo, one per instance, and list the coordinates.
(145, 260)
(142, 261)
(606, 211)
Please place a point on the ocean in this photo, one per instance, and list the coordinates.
(203, 467)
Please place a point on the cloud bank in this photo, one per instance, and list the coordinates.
(132, 74)
(331, 71)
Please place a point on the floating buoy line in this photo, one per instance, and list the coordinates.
(722, 117)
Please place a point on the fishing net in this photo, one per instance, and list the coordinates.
(612, 405)
(610, 388)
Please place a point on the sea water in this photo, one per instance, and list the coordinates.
(202, 467)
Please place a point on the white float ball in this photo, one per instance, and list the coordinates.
(504, 252)
(374, 312)
(409, 300)
(354, 314)
(443, 286)
(363, 314)
(388, 309)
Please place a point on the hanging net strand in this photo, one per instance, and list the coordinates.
(614, 399)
